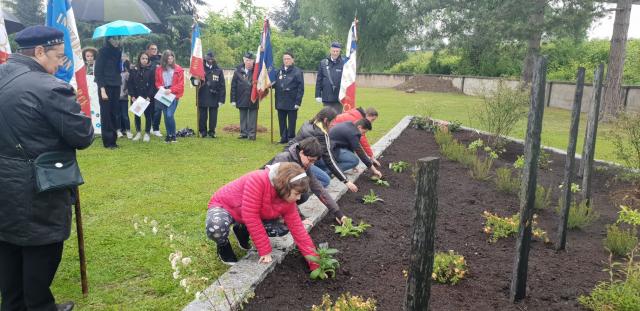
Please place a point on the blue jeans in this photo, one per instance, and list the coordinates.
(169, 120)
(122, 116)
(345, 159)
(320, 175)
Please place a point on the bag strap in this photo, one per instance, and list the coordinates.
(3, 83)
(325, 63)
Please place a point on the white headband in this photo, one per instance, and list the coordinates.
(298, 177)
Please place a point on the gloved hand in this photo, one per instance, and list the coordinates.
(233, 104)
(296, 107)
(319, 99)
(220, 104)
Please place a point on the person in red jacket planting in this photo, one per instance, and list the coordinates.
(353, 116)
(253, 206)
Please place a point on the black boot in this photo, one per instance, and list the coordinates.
(242, 235)
(226, 254)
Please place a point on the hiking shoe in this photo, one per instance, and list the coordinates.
(174, 139)
(242, 235)
(137, 137)
(157, 133)
(146, 138)
(129, 135)
(227, 255)
(119, 133)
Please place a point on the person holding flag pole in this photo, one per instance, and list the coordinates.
(196, 68)
(263, 73)
(347, 93)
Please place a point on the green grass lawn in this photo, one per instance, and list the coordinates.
(170, 184)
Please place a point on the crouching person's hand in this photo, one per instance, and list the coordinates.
(265, 259)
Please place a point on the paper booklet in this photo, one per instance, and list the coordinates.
(139, 106)
(166, 99)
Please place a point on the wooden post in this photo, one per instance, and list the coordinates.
(590, 136)
(423, 236)
(570, 160)
(529, 181)
(81, 255)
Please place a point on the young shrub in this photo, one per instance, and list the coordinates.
(346, 302)
(481, 168)
(505, 182)
(502, 110)
(371, 198)
(327, 263)
(348, 229)
(502, 227)
(454, 126)
(448, 268)
(629, 216)
(626, 138)
(620, 241)
(543, 197)
(580, 214)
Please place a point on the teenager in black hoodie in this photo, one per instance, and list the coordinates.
(108, 79)
(142, 83)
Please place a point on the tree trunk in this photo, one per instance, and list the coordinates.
(612, 98)
(536, 19)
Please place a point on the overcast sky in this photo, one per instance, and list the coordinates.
(601, 28)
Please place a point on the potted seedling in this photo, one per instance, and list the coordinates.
(399, 166)
(371, 198)
(348, 229)
(327, 264)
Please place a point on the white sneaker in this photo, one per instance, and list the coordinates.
(129, 135)
(157, 133)
(119, 133)
(146, 138)
(137, 137)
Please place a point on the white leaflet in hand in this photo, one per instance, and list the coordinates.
(139, 106)
(165, 99)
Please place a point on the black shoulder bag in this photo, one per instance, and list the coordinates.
(54, 169)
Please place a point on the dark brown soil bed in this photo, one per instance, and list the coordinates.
(372, 266)
(428, 84)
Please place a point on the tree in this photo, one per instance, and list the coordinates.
(29, 12)
(288, 17)
(612, 97)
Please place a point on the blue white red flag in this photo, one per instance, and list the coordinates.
(263, 72)
(60, 16)
(196, 68)
(5, 48)
(347, 93)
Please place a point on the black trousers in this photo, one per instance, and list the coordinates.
(148, 119)
(336, 106)
(108, 109)
(26, 273)
(287, 120)
(212, 114)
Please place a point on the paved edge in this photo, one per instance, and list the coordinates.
(236, 286)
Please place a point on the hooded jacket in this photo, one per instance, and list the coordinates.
(353, 116)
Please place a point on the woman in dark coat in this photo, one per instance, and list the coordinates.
(142, 83)
(108, 79)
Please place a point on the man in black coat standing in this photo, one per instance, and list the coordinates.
(211, 95)
(241, 84)
(329, 78)
(34, 225)
(289, 88)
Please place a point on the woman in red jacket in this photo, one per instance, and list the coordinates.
(170, 76)
(254, 205)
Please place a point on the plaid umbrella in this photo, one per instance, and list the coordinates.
(11, 23)
(111, 10)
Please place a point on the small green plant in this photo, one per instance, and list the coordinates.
(580, 214)
(443, 137)
(422, 123)
(626, 138)
(380, 182)
(481, 168)
(502, 227)
(399, 166)
(505, 181)
(617, 294)
(346, 302)
(348, 229)
(327, 264)
(543, 160)
(449, 267)
(543, 197)
(371, 198)
(519, 163)
(620, 241)
(454, 126)
(629, 216)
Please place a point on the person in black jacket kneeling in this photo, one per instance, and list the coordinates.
(289, 88)
(211, 95)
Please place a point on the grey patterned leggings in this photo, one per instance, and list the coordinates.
(219, 221)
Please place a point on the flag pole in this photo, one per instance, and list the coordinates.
(197, 110)
(81, 254)
(271, 105)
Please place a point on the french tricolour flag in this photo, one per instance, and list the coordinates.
(263, 73)
(60, 16)
(347, 93)
(196, 68)
(5, 48)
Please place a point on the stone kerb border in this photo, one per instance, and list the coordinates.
(236, 285)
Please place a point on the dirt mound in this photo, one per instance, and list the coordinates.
(235, 128)
(427, 84)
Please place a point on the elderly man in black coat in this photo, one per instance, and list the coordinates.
(241, 84)
(211, 95)
(38, 113)
(329, 78)
(289, 86)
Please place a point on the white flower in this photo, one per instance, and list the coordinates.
(146, 219)
(154, 223)
(176, 274)
(199, 296)
(154, 230)
(186, 261)
(170, 237)
(183, 283)
(135, 226)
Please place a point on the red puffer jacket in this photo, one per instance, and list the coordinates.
(251, 199)
(177, 85)
(353, 116)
